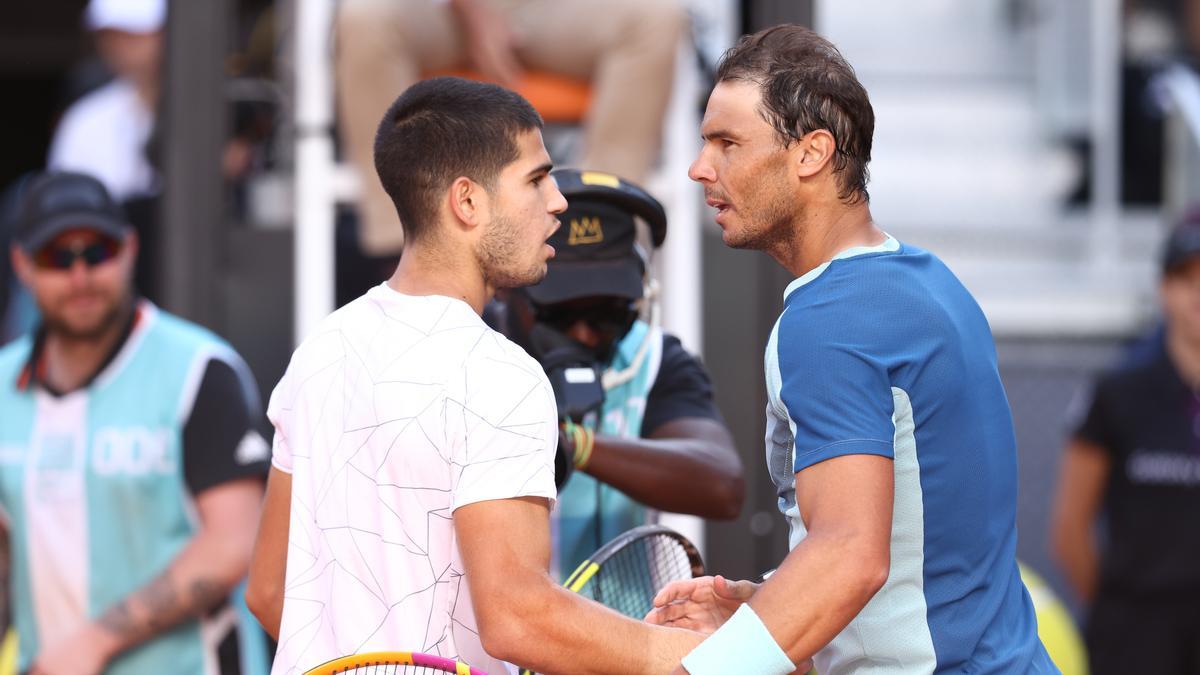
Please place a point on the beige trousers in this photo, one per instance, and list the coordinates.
(626, 48)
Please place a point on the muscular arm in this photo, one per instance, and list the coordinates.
(846, 503)
(268, 567)
(527, 619)
(199, 578)
(1081, 481)
(687, 465)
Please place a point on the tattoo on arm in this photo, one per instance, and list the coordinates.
(118, 620)
(158, 606)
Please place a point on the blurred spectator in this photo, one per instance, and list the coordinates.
(131, 459)
(104, 134)
(17, 312)
(626, 48)
(1134, 464)
(1156, 35)
(648, 434)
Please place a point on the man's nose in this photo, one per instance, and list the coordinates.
(583, 333)
(701, 171)
(558, 203)
(79, 271)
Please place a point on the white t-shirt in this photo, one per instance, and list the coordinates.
(104, 134)
(399, 410)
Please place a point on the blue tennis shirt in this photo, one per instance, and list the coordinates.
(882, 351)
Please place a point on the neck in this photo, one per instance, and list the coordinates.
(147, 91)
(70, 361)
(426, 270)
(1184, 351)
(823, 231)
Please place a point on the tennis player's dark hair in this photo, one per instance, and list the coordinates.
(440, 129)
(807, 85)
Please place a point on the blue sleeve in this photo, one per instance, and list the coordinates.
(834, 383)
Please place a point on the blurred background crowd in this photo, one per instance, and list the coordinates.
(1044, 149)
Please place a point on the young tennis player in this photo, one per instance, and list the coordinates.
(408, 507)
(890, 440)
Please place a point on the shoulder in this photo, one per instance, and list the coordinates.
(181, 336)
(13, 357)
(96, 108)
(498, 356)
(1150, 374)
(675, 356)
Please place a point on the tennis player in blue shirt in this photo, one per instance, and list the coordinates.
(889, 438)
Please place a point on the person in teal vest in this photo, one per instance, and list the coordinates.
(131, 460)
(644, 433)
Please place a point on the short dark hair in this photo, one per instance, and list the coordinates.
(440, 129)
(807, 85)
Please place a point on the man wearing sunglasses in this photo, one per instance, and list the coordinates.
(131, 463)
(651, 436)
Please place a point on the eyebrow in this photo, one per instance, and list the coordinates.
(545, 168)
(718, 133)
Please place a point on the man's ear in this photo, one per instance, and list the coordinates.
(22, 265)
(468, 202)
(813, 152)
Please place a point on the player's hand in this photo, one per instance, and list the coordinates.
(701, 604)
(490, 42)
(86, 651)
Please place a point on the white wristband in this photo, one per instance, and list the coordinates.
(742, 645)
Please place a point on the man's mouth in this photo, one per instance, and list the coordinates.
(717, 204)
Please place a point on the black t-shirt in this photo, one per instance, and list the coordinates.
(223, 439)
(1148, 421)
(682, 389)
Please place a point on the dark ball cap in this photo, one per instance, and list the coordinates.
(1183, 243)
(594, 250)
(60, 201)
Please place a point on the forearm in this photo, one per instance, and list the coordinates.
(556, 631)
(1076, 551)
(200, 578)
(681, 475)
(820, 587)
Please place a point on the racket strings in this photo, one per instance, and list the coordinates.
(393, 669)
(628, 581)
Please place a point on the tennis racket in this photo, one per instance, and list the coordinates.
(393, 663)
(628, 571)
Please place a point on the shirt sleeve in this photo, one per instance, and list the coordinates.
(502, 429)
(278, 412)
(682, 389)
(834, 383)
(222, 440)
(1096, 427)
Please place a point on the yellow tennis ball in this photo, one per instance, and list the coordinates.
(1056, 628)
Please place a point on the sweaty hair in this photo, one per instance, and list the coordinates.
(441, 129)
(807, 85)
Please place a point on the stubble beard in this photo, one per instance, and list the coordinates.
(499, 257)
(59, 326)
(770, 226)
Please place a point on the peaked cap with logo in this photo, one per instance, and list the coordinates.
(595, 247)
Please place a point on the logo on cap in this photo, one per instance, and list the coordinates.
(585, 230)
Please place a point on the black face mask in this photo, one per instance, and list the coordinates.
(611, 319)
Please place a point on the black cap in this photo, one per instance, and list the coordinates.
(595, 247)
(1183, 243)
(56, 202)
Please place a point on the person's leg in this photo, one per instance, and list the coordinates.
(381, 48)
(627, 49)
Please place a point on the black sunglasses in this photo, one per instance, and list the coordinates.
(614, 317)
(62, 257)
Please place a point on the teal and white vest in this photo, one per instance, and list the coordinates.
(590, 513)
